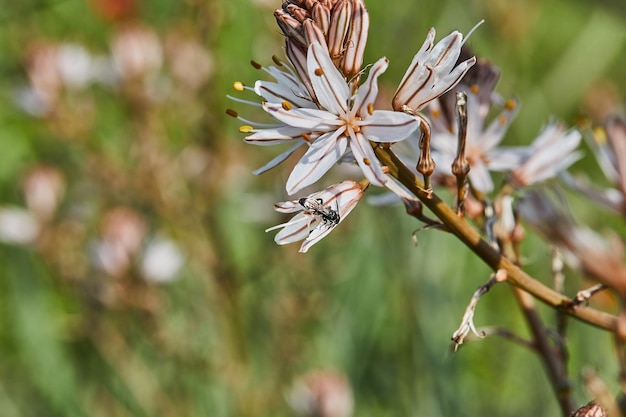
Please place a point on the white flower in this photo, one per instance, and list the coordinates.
(342, 119)
(481, 150)
(18, 226)
(552, 152)
(310, 225)
(433, 71)
(162, 260)
(609, 147)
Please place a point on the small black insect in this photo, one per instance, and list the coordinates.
(317, 208)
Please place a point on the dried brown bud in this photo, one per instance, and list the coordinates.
(313, 33)
(291, 28)
(321, 17)
(356, 40)
(338, 29)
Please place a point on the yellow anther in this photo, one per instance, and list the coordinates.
(306, 137)
(286, 105)
(277, 60)
(436, 114)
(510, 104)
(370, 108)
(239, 86)
(366, 161)
(474, 88)
(246, 129)
(319, 72)
(502, 120)
(599, 135)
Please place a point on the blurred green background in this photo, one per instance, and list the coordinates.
(135, 276)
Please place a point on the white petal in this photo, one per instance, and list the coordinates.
(278, 159)
(494, 134)
(389, 126)
(277, 93)
(445, 54)
(267, 137)
(412, 73)
(480, 178)
(368, 91)
(288, 206)
(297, 228)
(366, 158)
(320, 157)
(330, 87)
(310, 119)
(507, 159)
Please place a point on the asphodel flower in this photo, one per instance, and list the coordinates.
(609, 147)
(343, 120)
(483, 135)
(433, 72)
(551, 153)
(317, 214)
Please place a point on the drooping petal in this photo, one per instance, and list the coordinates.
(267, 137)
(310, 119)
(278, 159)
(330, 87)
(320, 157)
(366, 158)
(344, 197)
(291, 206)
(389, 126)
(296, 229)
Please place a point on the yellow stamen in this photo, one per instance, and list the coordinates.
(239, 86)
(475, 88)
(286, 105)
(366, 161)
(246, 129)
(436, 114)
(510, 104)
(319, 72)
(599, 135)
(502, 120)
(370, 108)
(306, 137)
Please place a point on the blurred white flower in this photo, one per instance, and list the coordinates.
(321, 394)
(162, 260)
(18, 226)
(43, 187)
(75, 65)
(551, 153)
(609, 147)
(136, 52)
(481, 150)
(122, 231)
